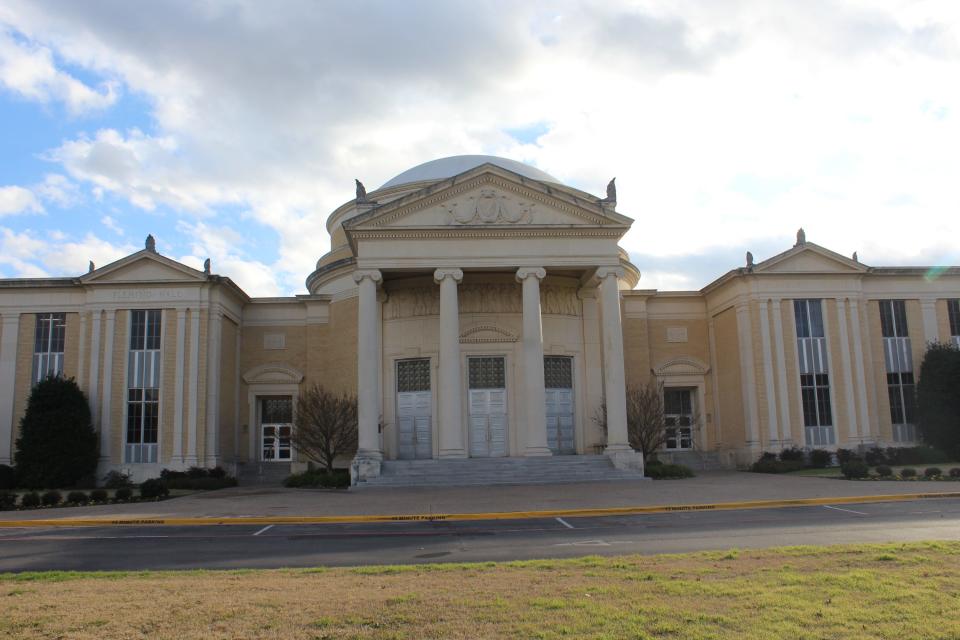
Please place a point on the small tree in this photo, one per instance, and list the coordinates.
(646, 427)
(57, 444)
(938, 397)
(325, 426)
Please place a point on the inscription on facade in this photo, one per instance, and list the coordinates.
(676, 334)
(147, 294)
(479, 298)
(274, 341)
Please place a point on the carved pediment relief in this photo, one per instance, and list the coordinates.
(682, 366)
(274, 373)
(489, 206)
(486, 333)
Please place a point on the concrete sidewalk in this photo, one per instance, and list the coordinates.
(709, 487)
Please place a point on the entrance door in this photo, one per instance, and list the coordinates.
(488, 407)
(276, 427)
(414, 409)
(558, 379)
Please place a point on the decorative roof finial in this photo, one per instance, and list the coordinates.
(749, 261)
(150, 244)
(801, 237)
(206, 267)
(611, 191)
(91, 267)
(855, 258)
(361, 192)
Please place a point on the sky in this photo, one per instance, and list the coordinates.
(231, 129)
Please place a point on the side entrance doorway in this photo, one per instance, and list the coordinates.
(558, 379)
(414, 409)
(488, 407)
(276, 428)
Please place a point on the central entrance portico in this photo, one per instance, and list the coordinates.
(470, 280)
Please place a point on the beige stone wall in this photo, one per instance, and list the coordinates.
(24, 383)
(793, 372)
(335, 365)
(842, 420)
(201, 408)
(228, 389)
(884, 426)
(732, 427)
(943, 321)
(71, 346)
(636, 350)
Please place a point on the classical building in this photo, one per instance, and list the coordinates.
(478, 308)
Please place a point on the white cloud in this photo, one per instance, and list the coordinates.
(14, 199)
(727, 125)
(29, 254)
(111, 224)
(29, 70)
(224, 247)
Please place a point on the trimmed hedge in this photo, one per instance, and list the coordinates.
(51, 498)
(932, 472)
(8, 500)
(30, 499)
(776, 466)
(198, 479)
(855, 468)
(339, 479)
(122, 494)
(668, 471)
(153, 488)
(78, 497)
(820, 458)
(908, 473)
(99, 495)
(884, 471)
(8, 477)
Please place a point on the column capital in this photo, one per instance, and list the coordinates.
(605, 272)
(442, 274)
(373, 274)
(526, 272)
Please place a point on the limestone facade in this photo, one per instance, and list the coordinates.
(487, 312)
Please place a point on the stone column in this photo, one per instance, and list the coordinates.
(773, 431)
(94, 385)
(748, 376)
(8, 377)
(535, 397)
(450, 384)
(211, 447)
(853, 425)
(106, 395)
(177, 451)
(193, 389)
(366, 464)
(592, 365)
(858, 360)
(786, 429)
(928, 309)
(614, 377)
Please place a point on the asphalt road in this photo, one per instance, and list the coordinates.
(247, 546)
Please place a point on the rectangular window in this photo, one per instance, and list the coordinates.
(276, 427)
(898, 357)
(953, 311)
(814, 373)
(48, 338)
(143, 386)
(678, 418)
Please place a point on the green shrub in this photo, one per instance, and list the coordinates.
(776, 466)
(653, 462)
(855, 468)
(932, 472)
(955, 472)
(78, 497)
(768, 456)
(99, 495)
(200, 484)
(884, 471)
(792, 454)
(116, 479)
(319, 478)
(217, 472)
(8, 500)
(30, 499)
(820, 458)
(196, 472)
(153, 488)
(875, 456)
(846, 455)
(122, 494)
(908, 473)
(921, 454)
(51, 498)
(57, 444)
(938, 397)
(668, 471)
(8, 477)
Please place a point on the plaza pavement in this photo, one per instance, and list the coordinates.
(708, 487)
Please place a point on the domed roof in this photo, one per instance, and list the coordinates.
(454, 165)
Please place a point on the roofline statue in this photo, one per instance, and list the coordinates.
(361, 192)
(150, 244)
(611, 191)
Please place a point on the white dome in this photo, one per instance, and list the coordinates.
(454, 165)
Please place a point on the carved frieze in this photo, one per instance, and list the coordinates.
(479, 298)
(489, 206)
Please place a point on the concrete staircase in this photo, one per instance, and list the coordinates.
(262, 473)
(487, 471)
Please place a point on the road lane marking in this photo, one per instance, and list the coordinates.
(859, 513)
(269, 526)
(565, 523)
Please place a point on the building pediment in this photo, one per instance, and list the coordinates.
(144, 267)
(809, 258)
(489, 198)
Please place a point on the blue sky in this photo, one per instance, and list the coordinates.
(230, 130)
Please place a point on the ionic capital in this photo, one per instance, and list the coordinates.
(442, 274)
(526, 272)
(374, 275)
(605, 272)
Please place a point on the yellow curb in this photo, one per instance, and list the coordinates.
(505, 515)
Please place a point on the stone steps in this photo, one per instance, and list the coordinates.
(487, 471)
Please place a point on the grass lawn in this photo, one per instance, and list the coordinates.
(834, 472)
(858, 591)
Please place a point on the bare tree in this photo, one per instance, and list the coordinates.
(325, 425)
(646, 428)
